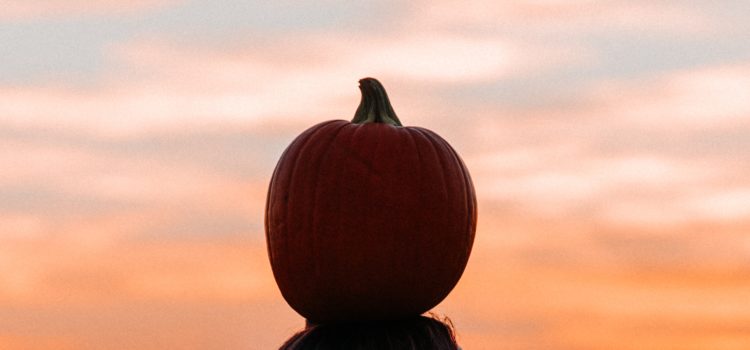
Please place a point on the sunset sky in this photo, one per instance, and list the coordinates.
(608, 141)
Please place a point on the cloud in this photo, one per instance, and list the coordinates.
(184, 88)
(626, 151)
(555, 17)
(663, 284)
(80, 265)
(137, 200)
(686, 100)
(107, 176)
(723, 203)
(18, 10)
(22, 226)
(159, 291)
(649, 185)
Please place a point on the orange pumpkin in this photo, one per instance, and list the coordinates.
(369, 220)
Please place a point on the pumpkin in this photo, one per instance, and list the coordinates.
(368, 220)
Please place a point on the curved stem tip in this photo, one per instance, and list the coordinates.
(374, 106)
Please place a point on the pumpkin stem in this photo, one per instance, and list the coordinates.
(374, 106)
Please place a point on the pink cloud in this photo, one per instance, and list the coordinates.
(184, 88)
(576, 245)
(641, 185)
(91, 173)
(550, 16)
(632, 188)
(687, 100)
(23, 226)
(18, 10)
(727, 203)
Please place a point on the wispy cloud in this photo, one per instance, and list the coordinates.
(613, 201)
(626, 140)
(17, 10)
(579, 16)
(184, 88)
(696, 99)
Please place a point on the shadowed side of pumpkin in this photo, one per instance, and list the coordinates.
(368, 219)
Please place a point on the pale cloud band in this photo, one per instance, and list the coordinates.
(607, 147)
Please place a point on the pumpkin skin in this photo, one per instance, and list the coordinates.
(368, 220)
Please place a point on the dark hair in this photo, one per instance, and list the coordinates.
(414, 333)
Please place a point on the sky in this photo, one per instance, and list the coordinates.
(608, 142)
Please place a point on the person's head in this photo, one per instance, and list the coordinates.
(416, 333)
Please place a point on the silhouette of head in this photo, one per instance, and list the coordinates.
(416, 333)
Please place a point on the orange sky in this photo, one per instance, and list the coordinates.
(608, 142)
